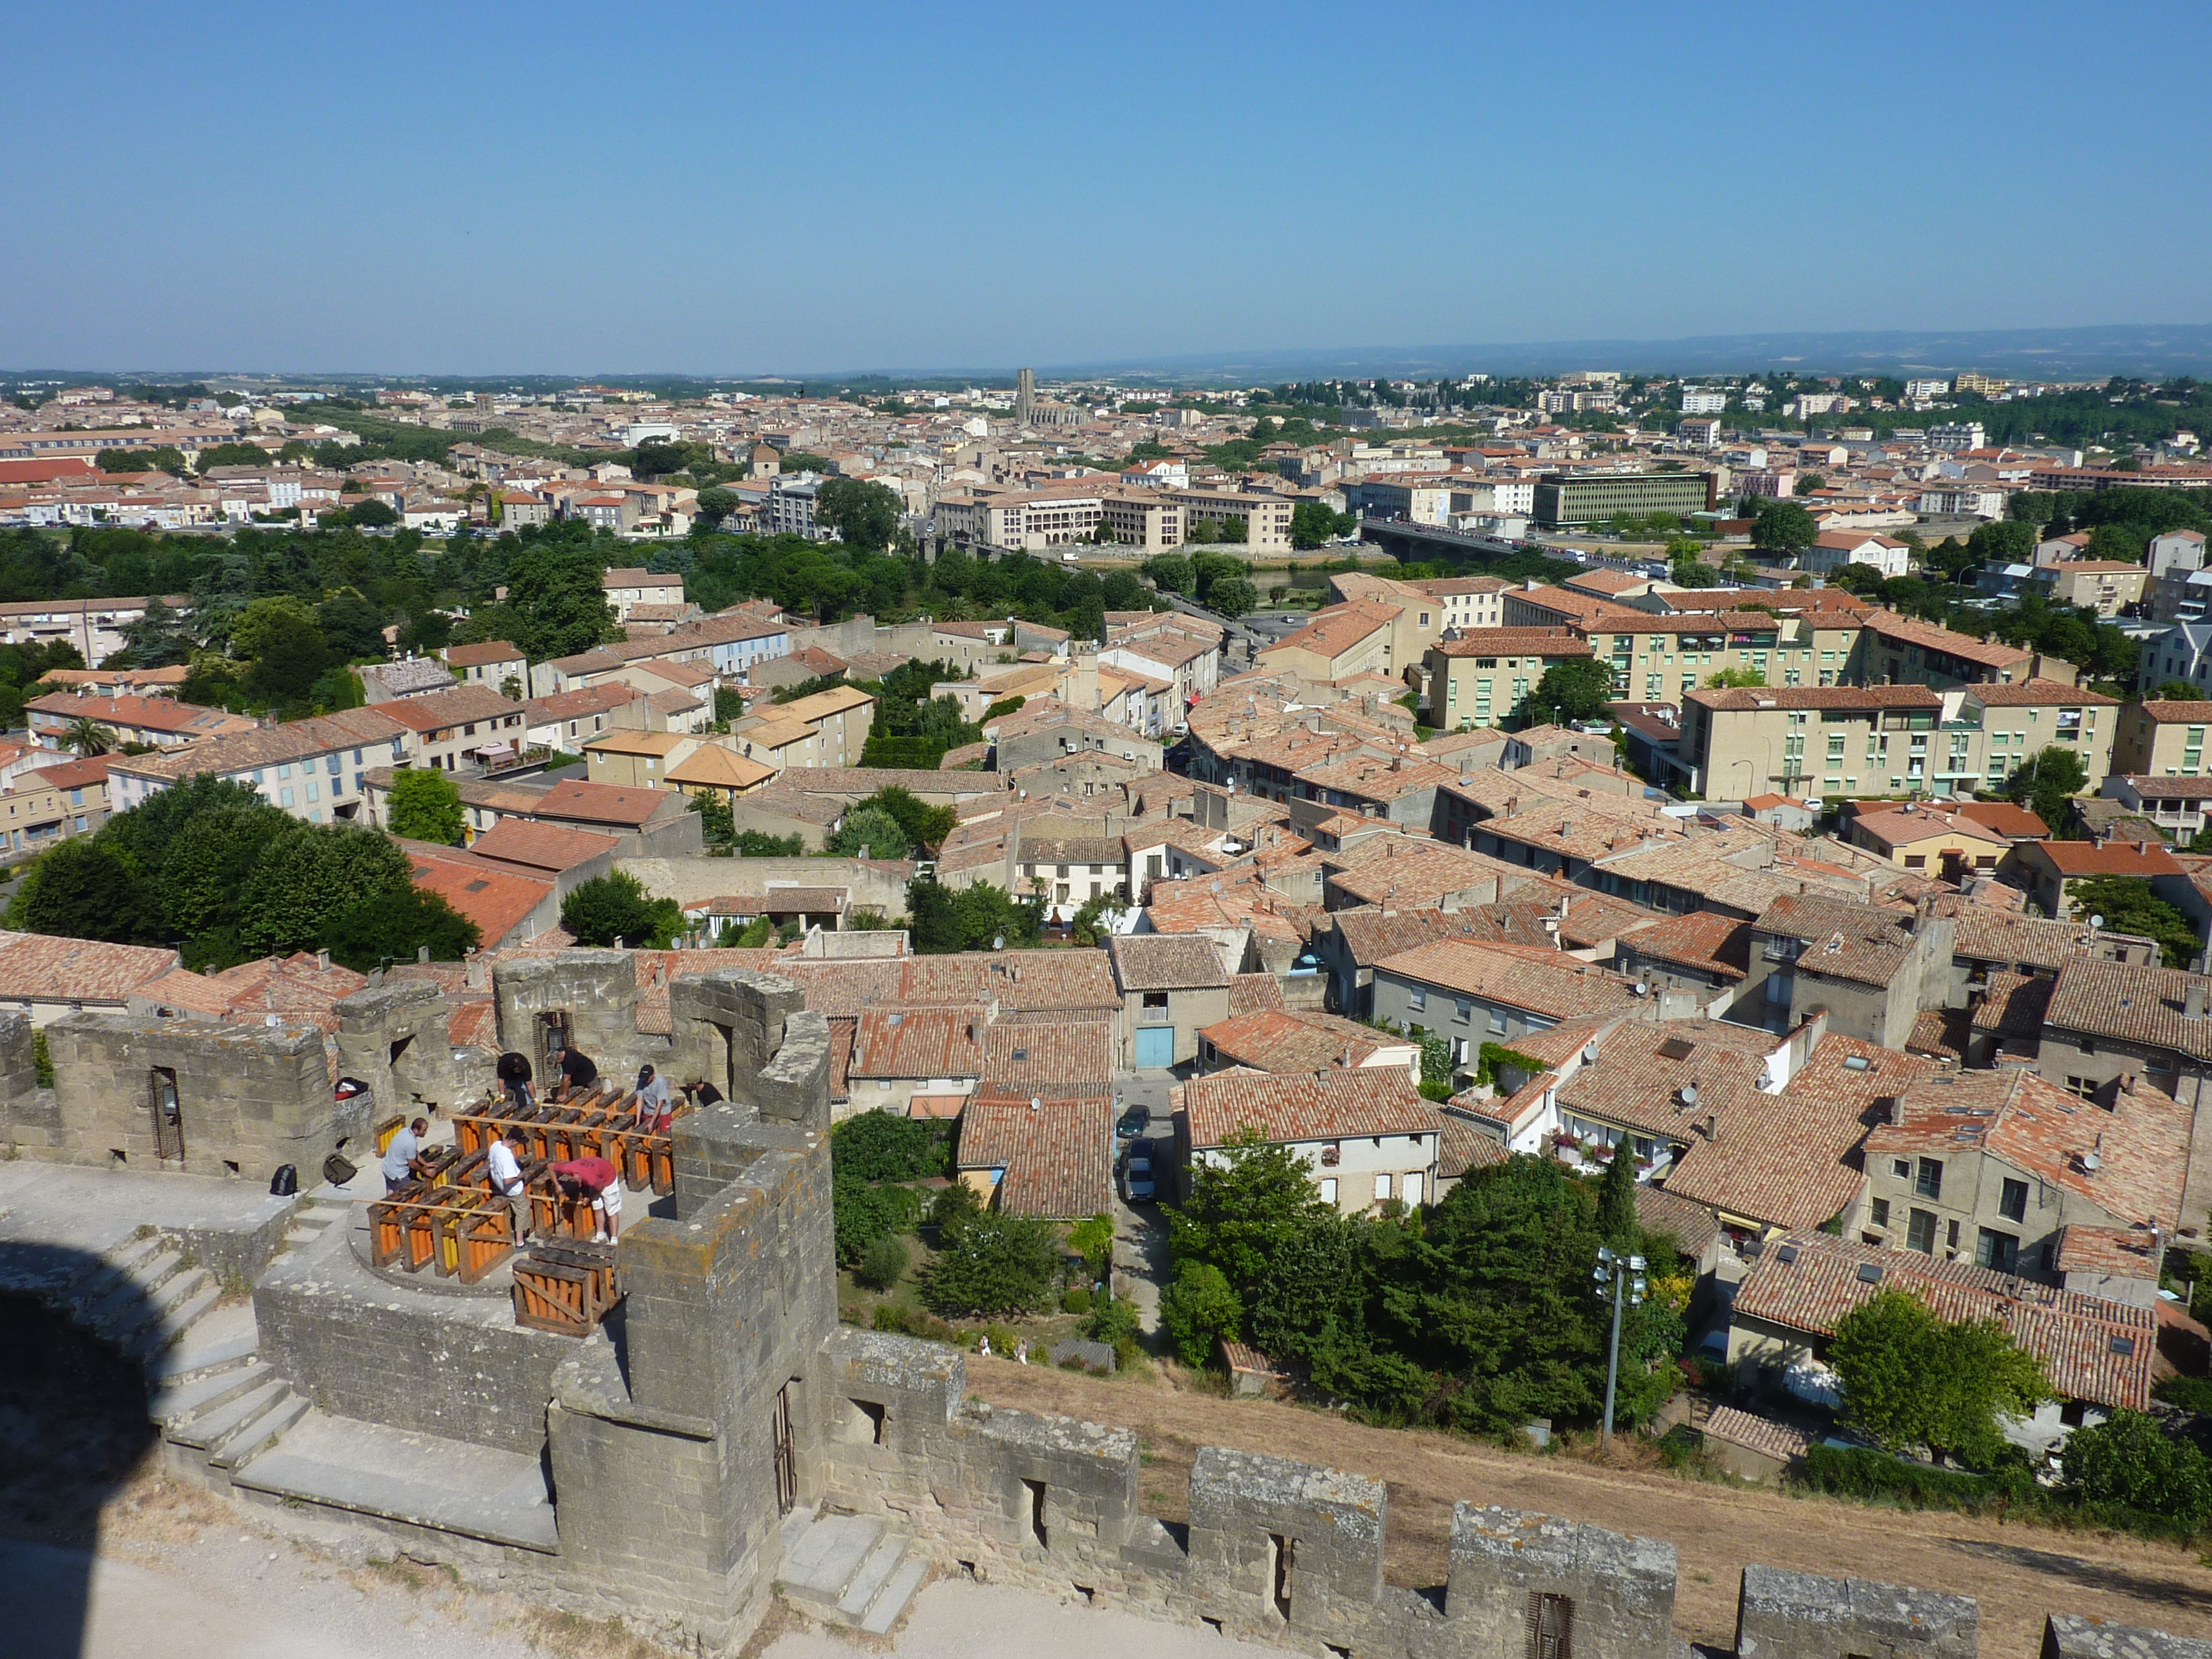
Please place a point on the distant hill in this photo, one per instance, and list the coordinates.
(2148, 350)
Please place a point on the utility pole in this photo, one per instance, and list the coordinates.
(1622, 1277)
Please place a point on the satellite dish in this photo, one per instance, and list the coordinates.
(999, 942)
(1689, 1094)
(2096, 921)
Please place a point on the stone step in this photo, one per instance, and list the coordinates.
(892, 1600)
(793, 1528)
(369, 1468)
(875, 1572)
(154, 1311)
(211, 1427)
(159, 1334)
(219, 1338)
(111, 1295)
(258, 1437)
(178, 1403)
(823, 1568)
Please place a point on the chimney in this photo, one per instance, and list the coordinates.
(323, 961)
(2193, 999)
(477, 976)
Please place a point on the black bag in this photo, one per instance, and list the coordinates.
(337, 1169)
(285, 1183)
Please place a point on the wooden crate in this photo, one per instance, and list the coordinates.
(487, 1238)
(551, 1297)
(387, 1231)
(387, 1132)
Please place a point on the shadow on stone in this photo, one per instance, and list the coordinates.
(73, 1417)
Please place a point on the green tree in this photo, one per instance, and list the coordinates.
(87, 736)
(2001, 542)
(714, 505)
(1578, 689)
(616, 906)
(717, 823)
(556, 602)
(80, 890)
(1783, 528)
(972, 918)
(309, 876)
(1616, 1198)
(1197, 1309)
(1233, 597)
(426, 806)
(394, 926)
(1242, 1210)
(2131, 1461)
(873, 828)
(1170, 573)
(994, 1264)
(884, 1263)
(353, 628)
(1811, 483)
(2129, 906)
(1734, 677)
(2178, 691)
(2051, 777)
(865, 516)
(1912, 1379)
(758, 844)
(1313, 523)
(370, 514)
(879, 1146)
(264, 622)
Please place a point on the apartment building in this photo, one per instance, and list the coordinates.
(830, 728)
(68, 798)
(2017, 720)
(158, 722)
(2161, 739)
(1659, 657)
(1897, 650)
(1563, 498)
(2104, 586)
(627, 588)
(469, 725)
(492, 663)
(96, 627)
(1799, 740)
(1467, 601)
(1482, 674)
(1266, 519)
(315, 769)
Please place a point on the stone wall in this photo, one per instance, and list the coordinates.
(2070, 1636)
(1797, 1615)
(393, 1037)
(250, 1097)
(597, 990)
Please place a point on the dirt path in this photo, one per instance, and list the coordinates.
(2018, 1573)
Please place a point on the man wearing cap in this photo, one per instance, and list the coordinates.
(598, 1177)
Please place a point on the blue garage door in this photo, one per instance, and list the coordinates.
(1155, 1046)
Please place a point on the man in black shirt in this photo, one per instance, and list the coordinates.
(578, 1070)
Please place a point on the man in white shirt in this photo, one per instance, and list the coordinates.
(505, 1171)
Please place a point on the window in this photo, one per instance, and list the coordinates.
(1382, 1188)
(1417, 999)
(1929, 1182)
(1901, 1168)
(1498, 1019)
(1951, 1235)
(1878, 1213)
(1464, 1010)
(1155, 1000)
(1920, 1232)
(2013, 1205)
(1328, 1189)
(2000, 1252)
(1413, 1186)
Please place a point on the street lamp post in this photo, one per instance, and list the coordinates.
(1622, 1277)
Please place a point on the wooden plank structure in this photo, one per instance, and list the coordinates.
(565, 1288)
(452, 1222)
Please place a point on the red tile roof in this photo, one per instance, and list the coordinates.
(1058, 1155)
(1338, 1105)
(541, 845)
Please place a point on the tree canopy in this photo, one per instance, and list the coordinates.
(616, 906)
(1912, 1379)
(425, 805)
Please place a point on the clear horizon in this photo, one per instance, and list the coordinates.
(703, 191)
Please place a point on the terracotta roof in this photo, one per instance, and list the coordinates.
(147, 714)
(482, 654)
(2040, 694)
(1863, 943)
(1515, 643)
(49, 969)
(73, 774)
(1929, 637)
(1336, 1105)
(2012, 1005)
(1463, 1146)
(1643, 1069)
(2073, 860)
(1053, 1053)
(601, 803)
(2014, 823)
(1250, 993)
(1790, 1160)
(2117, 1252)
(1280, 1040)
(541, 845)
(1703, 939)
(497, 897)
(1058, 1155)
(1759, 1434)
(2176, 712)
(920, 1042)
(2129, 1161)
(2091, 1349)
(1898, 828)
(1981, 933)
(1162, 962)
(1740, 698)
(1557, 987)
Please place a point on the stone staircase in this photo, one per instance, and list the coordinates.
(849, 1569)
(313, 1218)
(141, 1296)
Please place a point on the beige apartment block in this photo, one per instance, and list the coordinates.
(1481, 677)
(1266, 519)
(2104, 586)
(2161, 739)
(2014, 721)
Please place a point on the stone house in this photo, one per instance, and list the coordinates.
(1872, 969)
(1172, 986)
(1470, 993)
(1367, 1136)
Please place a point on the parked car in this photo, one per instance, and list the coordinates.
(1134, 1121)
(1137, 1174)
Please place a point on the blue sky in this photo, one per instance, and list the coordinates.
(728, 189)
